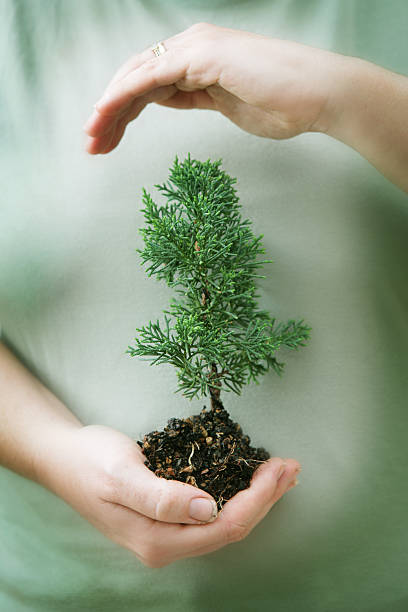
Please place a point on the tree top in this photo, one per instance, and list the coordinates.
(197, 242)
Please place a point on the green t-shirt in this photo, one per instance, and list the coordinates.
(72, 292)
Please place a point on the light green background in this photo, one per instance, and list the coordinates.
(72, 292)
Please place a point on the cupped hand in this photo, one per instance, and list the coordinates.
(101, 474)
(269, 87)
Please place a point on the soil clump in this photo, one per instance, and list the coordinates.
(207, 450)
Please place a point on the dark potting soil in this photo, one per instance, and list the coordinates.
(207, 450)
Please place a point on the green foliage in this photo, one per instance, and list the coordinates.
(213, 333)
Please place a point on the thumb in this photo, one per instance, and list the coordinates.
(169, 501)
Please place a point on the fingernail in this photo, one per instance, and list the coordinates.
(281, 470)
(202, 509)
(298, 469)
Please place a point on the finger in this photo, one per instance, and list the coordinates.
(110, 139)
(137, 60)
(284, 484)
(152, 74)
(99, 128)
(163, 543)
(107, 141)
(178, 541)
(95, 125)
(246, 509)
(117, 133)
(131, 64)
(169, 501)
(98, 124)
(143, 74)
(100, 143)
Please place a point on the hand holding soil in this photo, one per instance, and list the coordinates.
(106, 481)
(100, 473)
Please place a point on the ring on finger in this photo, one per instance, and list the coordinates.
(158, 49)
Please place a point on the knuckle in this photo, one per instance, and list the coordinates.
(150, 64)
(152, 68)
(166, 500)
(235, 532)
(112, 475)
(152, 556)
(110, 483)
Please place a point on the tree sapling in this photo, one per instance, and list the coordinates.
(213, 333)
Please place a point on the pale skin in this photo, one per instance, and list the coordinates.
(268, 87)
(100, 472)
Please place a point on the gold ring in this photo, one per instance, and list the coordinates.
(159, 49)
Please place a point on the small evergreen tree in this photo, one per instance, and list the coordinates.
(213, 333)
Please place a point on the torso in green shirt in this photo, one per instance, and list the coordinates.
(73, 292)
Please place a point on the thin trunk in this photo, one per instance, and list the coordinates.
(214, 392)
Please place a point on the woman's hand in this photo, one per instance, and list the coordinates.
(269, 87)
(101, 474)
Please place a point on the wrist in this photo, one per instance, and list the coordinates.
(55, 453)
(366, 111)
(338, 74)
(353, 91)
